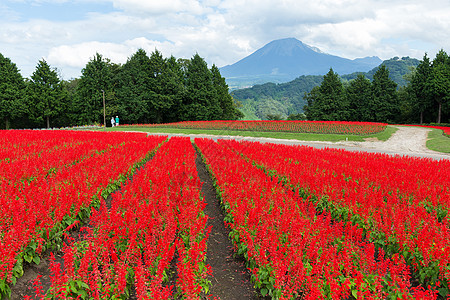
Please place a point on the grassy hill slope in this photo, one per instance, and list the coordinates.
(283, 99)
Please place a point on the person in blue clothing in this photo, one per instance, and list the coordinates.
(117, 120)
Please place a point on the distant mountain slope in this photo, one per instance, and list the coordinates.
(287, 98)
(277, 99)
(398, 68)
(286, 59)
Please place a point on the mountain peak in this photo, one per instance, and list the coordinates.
(285, 59)
(287, 47)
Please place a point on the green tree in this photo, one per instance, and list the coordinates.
(183, 63)
(439, 83)
(407, 113)
(71, 114)
(384, 105)
(173, 88)
(328, 101)
(199, 90)
(134, 89)
(200, 100)
(358, 95)
(98, 75)
(418, 87)
(12, 102)
(162, 93)
(227, 105)
(312, 109)
(272, 117)
(47, 98)
(333, 100)
(296, 117)
(150, 88)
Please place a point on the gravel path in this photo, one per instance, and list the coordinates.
(408, 140)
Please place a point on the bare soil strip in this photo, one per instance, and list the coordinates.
(24, 285)
(230, 278)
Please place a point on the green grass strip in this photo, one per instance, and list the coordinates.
(437, 141)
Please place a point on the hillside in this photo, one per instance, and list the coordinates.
(278, 99)
(285, 59)
(398, 68)
(287, 98)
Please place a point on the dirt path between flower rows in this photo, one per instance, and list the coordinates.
(230, 278)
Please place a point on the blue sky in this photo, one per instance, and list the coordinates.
(67, 33)
(63, 11)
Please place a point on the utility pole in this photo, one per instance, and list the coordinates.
(104, 109)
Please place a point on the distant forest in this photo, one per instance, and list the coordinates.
(146, 89)
(288, 100)
(153, 89)
(425, 98)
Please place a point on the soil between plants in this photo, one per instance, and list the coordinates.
(230, 278)
(24, 285)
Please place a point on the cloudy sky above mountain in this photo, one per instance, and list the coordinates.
(67, 33)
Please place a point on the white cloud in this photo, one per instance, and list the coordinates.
(349, 28)
(392, 31)
(224, 31)
(78, 55)
(159, 7)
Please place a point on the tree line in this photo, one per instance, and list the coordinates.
(425, 98)
(146, 89)
(285, 100)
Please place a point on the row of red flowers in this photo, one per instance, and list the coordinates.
(293, 249)
(400, 203)
(327, 127)
(28, 154)
(133, 242)
(41, 194)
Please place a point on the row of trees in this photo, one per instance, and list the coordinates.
(424, 99)
(429, 87)
(360, 100)
(146, 89)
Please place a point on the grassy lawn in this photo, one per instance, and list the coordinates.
(438, 142)
(383, 136)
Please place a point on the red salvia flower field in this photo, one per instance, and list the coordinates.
(154, 215)
(127, 212)
(317, 255)
(45, 194)
(328, 127)
(400, 203)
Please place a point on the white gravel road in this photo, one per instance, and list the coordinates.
(407, 139)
